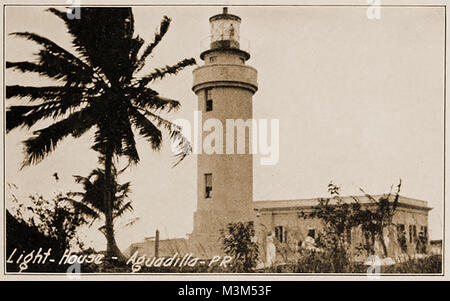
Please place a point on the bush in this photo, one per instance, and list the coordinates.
(237, 242)
(327, 261)
(427, 265)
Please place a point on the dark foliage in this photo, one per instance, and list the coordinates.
(89, 202)
(340, 216)
(46, 224)
(238, 242)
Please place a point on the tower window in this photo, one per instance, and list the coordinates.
(312, 233)
(208, 185)
(209, 105)
(209, 101)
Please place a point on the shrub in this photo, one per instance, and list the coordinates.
(237, 242)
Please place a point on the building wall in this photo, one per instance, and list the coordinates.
(295, 229)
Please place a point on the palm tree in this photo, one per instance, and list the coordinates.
(89, 203)
(97, 87)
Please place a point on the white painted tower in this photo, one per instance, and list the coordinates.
(224, 86)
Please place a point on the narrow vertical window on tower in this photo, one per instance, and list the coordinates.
(208, 100)
(208, 185)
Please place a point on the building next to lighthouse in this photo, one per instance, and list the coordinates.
(225, 85)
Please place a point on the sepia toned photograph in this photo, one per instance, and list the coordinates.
(224, 139)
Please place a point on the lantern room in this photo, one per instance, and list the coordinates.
(224, 30)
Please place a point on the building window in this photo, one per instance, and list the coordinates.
(208, 185)
(312, 233)
(422, 240)
(212, 59)
(208, 100)
(401, 237)
(348, 236)
(280, 233)
(424, 232)
(412, 233)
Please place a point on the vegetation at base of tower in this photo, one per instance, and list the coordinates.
(96, 85)
(238, 242)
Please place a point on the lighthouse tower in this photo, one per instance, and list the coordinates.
(224, 85)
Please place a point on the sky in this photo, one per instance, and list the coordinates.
(359, 102)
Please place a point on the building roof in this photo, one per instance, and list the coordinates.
(308, 203)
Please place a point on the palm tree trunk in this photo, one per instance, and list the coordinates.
(112, 250)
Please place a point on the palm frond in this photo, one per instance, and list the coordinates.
(131, 222)
(149, 99)
(163, 28)
(159, 73)
(73, 194)
(183, 144)
(136, 45)
(46, 140)
(40, 93)
(56, 72)
(120, 211)
(54, 62)
(124, 189)
(27, 116)
(147, 129)
(128, 143)
(84, 209)
(57, 50)
(102, 37)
